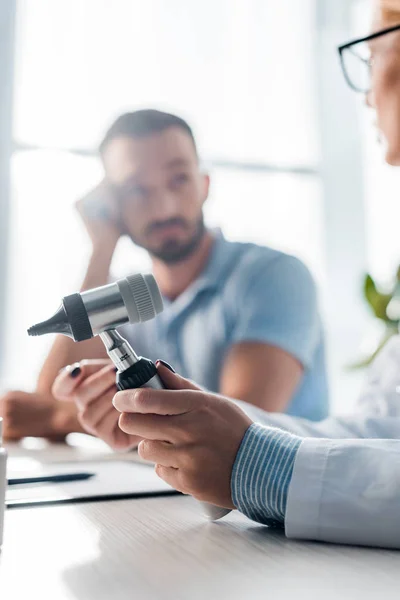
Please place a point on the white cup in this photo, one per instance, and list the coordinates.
(3, 481)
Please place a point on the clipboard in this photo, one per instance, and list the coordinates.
(113, 480)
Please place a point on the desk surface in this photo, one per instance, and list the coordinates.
(162, 548)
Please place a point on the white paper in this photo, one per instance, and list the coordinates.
(112, 478)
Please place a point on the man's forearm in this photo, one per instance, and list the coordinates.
(260, 374)
(64, 351)
(98, 271)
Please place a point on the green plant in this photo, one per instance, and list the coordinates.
(386, 307)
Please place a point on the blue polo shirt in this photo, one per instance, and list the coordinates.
(245, 293)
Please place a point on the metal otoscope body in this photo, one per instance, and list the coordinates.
(101, 311)
(81, 316)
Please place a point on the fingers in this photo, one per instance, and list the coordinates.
(72, 376)
(157, 402)
(162, 453)
(94, 387)
(173, 381)
(107, 428)
(170, 476)
(123, 441)
(101, 419)
(92, 414)
(99, 204)
(151, 427)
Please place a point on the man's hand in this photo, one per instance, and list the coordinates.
(192, 436)
(99, 212)
(91, 385)
(32, 415)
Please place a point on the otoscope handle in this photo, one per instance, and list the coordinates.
(141, 374)
(144, 374)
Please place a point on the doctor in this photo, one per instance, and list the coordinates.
(301, 476)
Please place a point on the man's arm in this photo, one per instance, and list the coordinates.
(64, 350)
(38, 414)
(104, 236)
(259, 374)
(275, 332)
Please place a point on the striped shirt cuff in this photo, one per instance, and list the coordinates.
(262, 472)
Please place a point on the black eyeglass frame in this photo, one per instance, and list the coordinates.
(348, 45)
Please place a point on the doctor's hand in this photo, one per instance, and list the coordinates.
(192, 436)
(91, 385)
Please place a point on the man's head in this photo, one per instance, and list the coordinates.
(150, 158)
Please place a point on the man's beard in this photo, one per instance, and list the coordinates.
(173, 252)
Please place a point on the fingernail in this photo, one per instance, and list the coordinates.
(162, 362)
(119, 400)
(75, 372)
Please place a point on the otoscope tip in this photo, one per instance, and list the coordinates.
(33, 331)
(58, 323)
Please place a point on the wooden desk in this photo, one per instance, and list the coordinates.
(162, 548)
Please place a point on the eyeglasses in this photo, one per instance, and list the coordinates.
(355, 59)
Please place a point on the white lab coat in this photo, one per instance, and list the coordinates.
(348, 490)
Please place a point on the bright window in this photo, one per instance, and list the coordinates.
(240, 71)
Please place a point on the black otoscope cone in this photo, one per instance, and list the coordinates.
(58, 323)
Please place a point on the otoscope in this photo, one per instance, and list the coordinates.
(101, 311)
